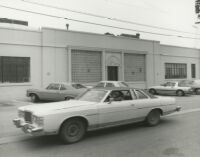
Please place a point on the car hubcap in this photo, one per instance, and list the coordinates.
(73, 130)
(179, 93)
(154, 118)
(33, 97)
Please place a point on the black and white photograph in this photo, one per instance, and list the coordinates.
(100, 78)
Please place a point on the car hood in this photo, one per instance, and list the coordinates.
(54, 106)
(36, 89)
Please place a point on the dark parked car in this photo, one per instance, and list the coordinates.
(56, 92)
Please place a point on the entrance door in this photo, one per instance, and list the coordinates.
(112, 73)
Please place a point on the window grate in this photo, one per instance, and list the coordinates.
(175, 70)
(14, 69)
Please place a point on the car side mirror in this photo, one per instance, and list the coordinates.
(110, 100)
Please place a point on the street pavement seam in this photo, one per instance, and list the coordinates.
(24, 137)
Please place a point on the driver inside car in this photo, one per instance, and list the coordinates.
(117, 95)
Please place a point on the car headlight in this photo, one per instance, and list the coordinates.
(38, 120)
(20, 114)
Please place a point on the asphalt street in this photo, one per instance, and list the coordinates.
(177, 135)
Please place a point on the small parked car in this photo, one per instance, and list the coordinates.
(96, 108)
(111, 84)
(171, 88)
(194, 84)
(56, 92)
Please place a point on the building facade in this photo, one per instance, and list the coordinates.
(34, 58)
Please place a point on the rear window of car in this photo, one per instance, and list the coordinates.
(78, 86)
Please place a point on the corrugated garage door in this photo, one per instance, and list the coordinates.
(86, 66)
(134, 67)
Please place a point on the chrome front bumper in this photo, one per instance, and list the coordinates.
(28, 128)
(178, 108)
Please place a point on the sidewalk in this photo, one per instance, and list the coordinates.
(6, 102)
(8, 111)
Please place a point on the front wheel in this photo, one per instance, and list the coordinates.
(68, 98)
(180, 93)
(197, 91)
(153, 118)
(152, 91)
(34, 98)
(73, 130)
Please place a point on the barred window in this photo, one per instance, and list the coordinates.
(175, 70)
(193, 70)
(14, 69)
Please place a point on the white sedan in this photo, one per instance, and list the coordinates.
(173, 88)
(106, 84)
(94, 109)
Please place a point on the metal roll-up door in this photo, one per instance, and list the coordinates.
(134, 67)
(86, 66)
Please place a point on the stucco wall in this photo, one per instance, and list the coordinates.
(173, 54)
(50, 53)
(53, 38)
(21, 43)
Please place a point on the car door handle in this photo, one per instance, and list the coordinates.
(132, 105)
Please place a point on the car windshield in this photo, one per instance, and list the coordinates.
(123, 84)
(92, 95)
(149, 94)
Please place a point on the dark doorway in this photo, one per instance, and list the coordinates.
(112, 73)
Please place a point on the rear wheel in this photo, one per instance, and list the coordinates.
(180, 93)
(34, 97)
(73, 130)
(68, 98)
(197, 91)
(153, 118)
(152, 91)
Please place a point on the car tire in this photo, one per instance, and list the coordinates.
(197, 91)
(72, 130)
(180, 93)
(153, 118)
(34, 98)
(152, 91)
(68, 98)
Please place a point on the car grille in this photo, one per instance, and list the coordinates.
(28, 117)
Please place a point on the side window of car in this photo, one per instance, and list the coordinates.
(127, 95)
(116, 95)
(109, 85)
(63, 87)
(80, 86)
(53, 86)
(141, 95)
(121, 95)
(100, 84)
